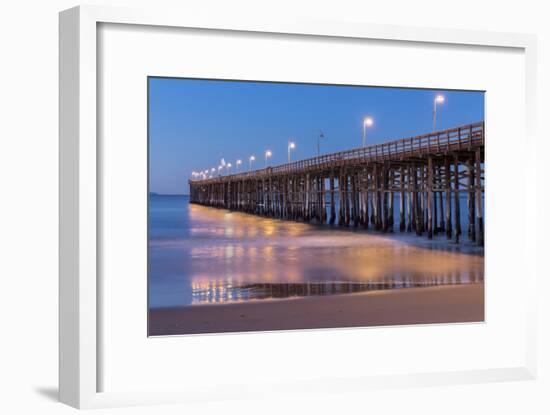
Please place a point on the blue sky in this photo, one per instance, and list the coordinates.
(193, 124)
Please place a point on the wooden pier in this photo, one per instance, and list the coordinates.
(425, 174)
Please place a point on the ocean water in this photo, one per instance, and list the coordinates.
(201, 255)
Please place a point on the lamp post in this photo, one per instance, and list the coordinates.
(238, 163)
(212, 171)
(228, 166)
(267, 155)
(220, 170)
(291, 146)
(367, 122)
(321, 135)
(439, 99)
(250, 160)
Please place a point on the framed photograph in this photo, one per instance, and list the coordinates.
(314, 232)
(290, 193)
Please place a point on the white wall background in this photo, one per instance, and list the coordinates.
(28, 208)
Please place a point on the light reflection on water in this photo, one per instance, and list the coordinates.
(206, 255)
(219, 292)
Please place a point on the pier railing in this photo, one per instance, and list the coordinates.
(465, 137)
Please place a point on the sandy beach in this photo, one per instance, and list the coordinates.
(439, 304)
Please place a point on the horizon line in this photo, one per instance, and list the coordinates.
(168, 194)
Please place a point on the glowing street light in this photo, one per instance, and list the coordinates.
(228, 165)
(220, 168)
(439, 99)
(291, 146)
(367, 122)
(238, 163)
(250, 160)
(267, 155)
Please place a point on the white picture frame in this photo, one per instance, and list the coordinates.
(79, 189)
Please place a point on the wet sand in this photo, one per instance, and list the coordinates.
(439, 304)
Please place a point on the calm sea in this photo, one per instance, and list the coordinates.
(201, 255)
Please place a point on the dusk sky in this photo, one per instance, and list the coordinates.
(193, 124)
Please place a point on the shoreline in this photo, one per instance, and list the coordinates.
(460, 303)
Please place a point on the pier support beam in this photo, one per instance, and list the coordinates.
(401, 199)
(457, 200)
(284, 197)
(323, 200)
(371, 200)
(308, 197)
(385, 195)
(341, 201)
(391, 198)
(376, 201)
(430, 197)
(441, 186)
(410, 224)
(332, 207)
(346, 200)
(448, 226)
(417, 207)
(434, 197)
(479, 202)
(366, 198)
(471, 200)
